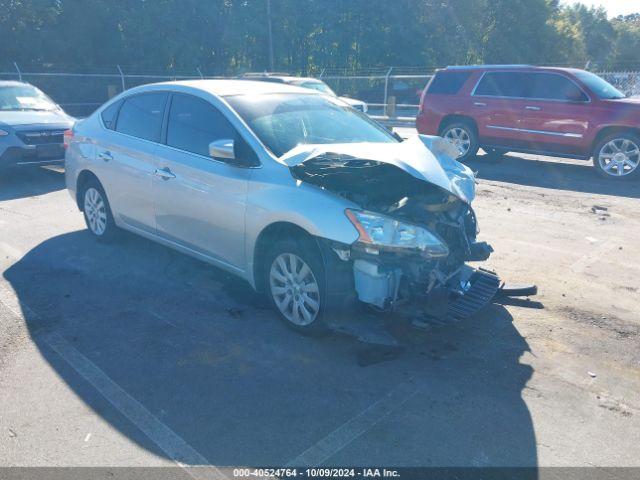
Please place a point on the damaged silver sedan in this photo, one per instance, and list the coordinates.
(307, 199)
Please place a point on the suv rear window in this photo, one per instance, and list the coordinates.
(502, 84)
(448, 83)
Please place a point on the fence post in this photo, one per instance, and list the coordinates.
(322, 73)
(386, 88)
(15, 64)
(122, 78)
(200, 73)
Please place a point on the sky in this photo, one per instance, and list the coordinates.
(613, 7)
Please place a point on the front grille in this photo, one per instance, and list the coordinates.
(41, 137)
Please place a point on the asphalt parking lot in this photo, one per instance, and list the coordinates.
(134, 355)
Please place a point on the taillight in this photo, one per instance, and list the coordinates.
(68, 136)
(424, 93)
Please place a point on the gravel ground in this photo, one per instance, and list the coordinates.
(134, 355)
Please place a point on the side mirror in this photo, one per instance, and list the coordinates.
(222, 149)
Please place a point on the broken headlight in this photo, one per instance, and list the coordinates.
(379, 230)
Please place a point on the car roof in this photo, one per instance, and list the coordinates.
(225, 88)
(530, 68)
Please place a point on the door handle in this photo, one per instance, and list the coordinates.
(164, 173)
(480, 104)
(528, 107)
(106, 156)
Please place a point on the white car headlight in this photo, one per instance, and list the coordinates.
(382, 231)
(3, 133)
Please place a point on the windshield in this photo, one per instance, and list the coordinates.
(320, 87)
(24, 97)
(603, 89)
(284, 121)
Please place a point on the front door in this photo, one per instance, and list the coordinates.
(556, 117)
(200, 201)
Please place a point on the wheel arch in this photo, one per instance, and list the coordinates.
(272, 233)
(83, 178)
(611, 130)
(456, 118)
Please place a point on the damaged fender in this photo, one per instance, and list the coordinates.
(412, 186)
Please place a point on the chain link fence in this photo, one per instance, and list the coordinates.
(389, 92)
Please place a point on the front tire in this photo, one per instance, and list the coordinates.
(295, 284)
(464, 137)
(97, 212)
(617, 156)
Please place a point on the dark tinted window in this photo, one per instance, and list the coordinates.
(448, 83)
(551, 86)
(195, 123)
(502, 84)
(110, 114)
(141, 116)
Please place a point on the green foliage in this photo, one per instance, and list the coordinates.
(228, 36)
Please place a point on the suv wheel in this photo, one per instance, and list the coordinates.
(464, 137)
(97, 213)
(295, 284)
(618, 156)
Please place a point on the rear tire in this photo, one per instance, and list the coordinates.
(97, 212)
(617, 156)
(296, 284)
(464, 137)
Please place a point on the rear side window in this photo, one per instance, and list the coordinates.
(502, 84)
(448, 83)
(141, 116)
(195, 123)
(110, 114)
(549, 86)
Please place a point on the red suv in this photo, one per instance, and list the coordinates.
(561, 112)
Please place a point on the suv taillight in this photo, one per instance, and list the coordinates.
(68, 136)
(421, 106)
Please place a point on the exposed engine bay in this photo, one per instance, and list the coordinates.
(387, 274)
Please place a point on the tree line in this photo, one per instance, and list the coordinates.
(231, 36)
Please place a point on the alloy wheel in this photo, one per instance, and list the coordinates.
(460, 139)
(619, 157)
(95, 211)
(294, 289)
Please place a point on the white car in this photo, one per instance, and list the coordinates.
(307, 82)
(309, 201)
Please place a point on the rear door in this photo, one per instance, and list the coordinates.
(498, 101)
(200, 201)
(557, 114)
(126, 157)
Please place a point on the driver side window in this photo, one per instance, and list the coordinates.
(194, 123)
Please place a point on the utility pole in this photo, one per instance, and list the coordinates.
(271, 69)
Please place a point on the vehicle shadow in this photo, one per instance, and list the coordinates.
(29, 182)
(557, 175)
(196, 348)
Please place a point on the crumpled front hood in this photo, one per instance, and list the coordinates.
(16, 118)
(427, 158)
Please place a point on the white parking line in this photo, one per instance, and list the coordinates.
(361, 423)
(166, 439)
